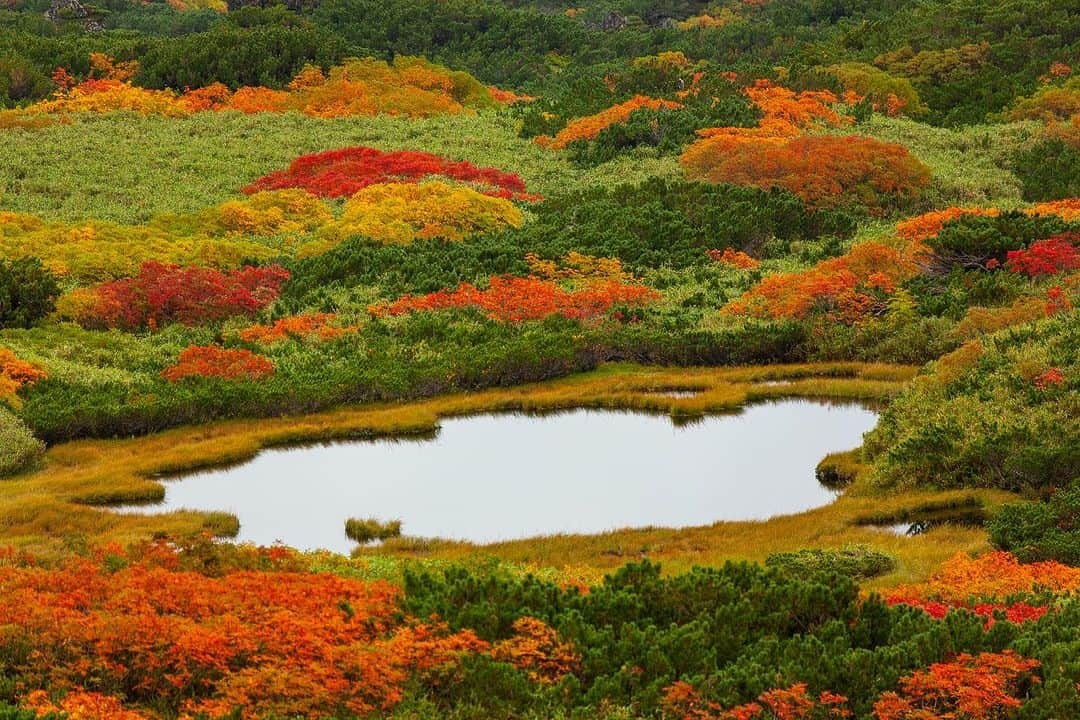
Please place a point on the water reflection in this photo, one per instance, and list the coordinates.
(497, 477)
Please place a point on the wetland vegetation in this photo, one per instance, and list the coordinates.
(534, 311)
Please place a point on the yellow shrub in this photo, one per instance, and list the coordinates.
(403, 212)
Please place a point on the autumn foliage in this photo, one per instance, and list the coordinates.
(987, 686)
(514, 299)
(403, 212)
(929, 224)
(410, 87)
(274, 641)
(16, 374)
(994, 575)
(1047, 257)
(824, 170)
(847, 289)
(341, 173)
(786, 113)
(309, 325)
(220, 236)
(162, 294)
(211, 361)
(792, 703)
(733, 258)
(587, 128)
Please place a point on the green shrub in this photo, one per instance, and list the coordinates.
(19, 449)
(1036, 531)
(28, 292)
(972, 240)
(1049, 170)
(858, 562)
(981, 418)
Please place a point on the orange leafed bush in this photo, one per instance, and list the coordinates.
(587, 128)
(537, 649)
(788, 113)
(929, 224)
(210, 361)
(824, 170)
(16, 374)
(988, 687)
(316, 325)
(848, 288)
(734, 258)
(81, 705)
(273, 641)
(514, 299)
(792, 703)
(990, 576)
(1068, 210)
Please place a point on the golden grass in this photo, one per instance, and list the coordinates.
(64, 496)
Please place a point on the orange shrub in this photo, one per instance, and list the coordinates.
(16, 374)
(990, 576)
(824, 170)
(275, 642)
(847, 288)
(211, 361)
(537, 649)
(412, 87)
(587, 128)
(514, 299)
(792, 703)
(316, 325)
(787, 113)
(1068, 210)
(734, 258)
(987, 687)
(929, 224)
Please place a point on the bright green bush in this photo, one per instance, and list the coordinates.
(858, 562)
(19, 449)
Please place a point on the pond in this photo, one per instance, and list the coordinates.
(499, 477)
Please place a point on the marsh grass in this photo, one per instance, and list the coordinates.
(840, 469)
(369, 530)
(39, 509)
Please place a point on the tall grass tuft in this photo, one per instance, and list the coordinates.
(365, 531)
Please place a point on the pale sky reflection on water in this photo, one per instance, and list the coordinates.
(498, 477)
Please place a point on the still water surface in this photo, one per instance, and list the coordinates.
(499, 477)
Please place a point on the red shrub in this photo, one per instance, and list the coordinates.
(211, 361)
(162, 294)
(341, 173)
(1047, 257)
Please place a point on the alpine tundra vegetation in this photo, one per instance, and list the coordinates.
(234, 231)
